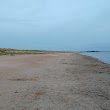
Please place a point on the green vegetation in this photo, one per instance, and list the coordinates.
(5, 51)
(8, 51)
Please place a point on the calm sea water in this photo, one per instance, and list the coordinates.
(103, 56)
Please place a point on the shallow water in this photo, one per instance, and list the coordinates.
(103, 56)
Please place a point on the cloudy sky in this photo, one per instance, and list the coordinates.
(55, 24)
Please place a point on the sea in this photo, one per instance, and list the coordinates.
(102, 56)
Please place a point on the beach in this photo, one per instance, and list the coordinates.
(61, 81)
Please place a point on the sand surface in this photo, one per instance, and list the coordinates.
(67, 81)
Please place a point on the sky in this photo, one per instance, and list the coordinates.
(68, 25)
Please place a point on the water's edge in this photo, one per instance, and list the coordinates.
(102, 56)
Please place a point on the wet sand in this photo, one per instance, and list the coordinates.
(67, 81)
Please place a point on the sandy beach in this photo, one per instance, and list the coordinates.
(61, 81)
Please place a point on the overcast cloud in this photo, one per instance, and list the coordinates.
(55, 24)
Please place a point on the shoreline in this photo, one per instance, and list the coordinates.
(54, 82)
(94, 55)
(97, 59)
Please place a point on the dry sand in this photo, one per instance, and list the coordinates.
(68, 81)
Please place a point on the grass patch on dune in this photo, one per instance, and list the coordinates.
(6, 51)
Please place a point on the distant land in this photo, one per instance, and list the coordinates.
(94, 51)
